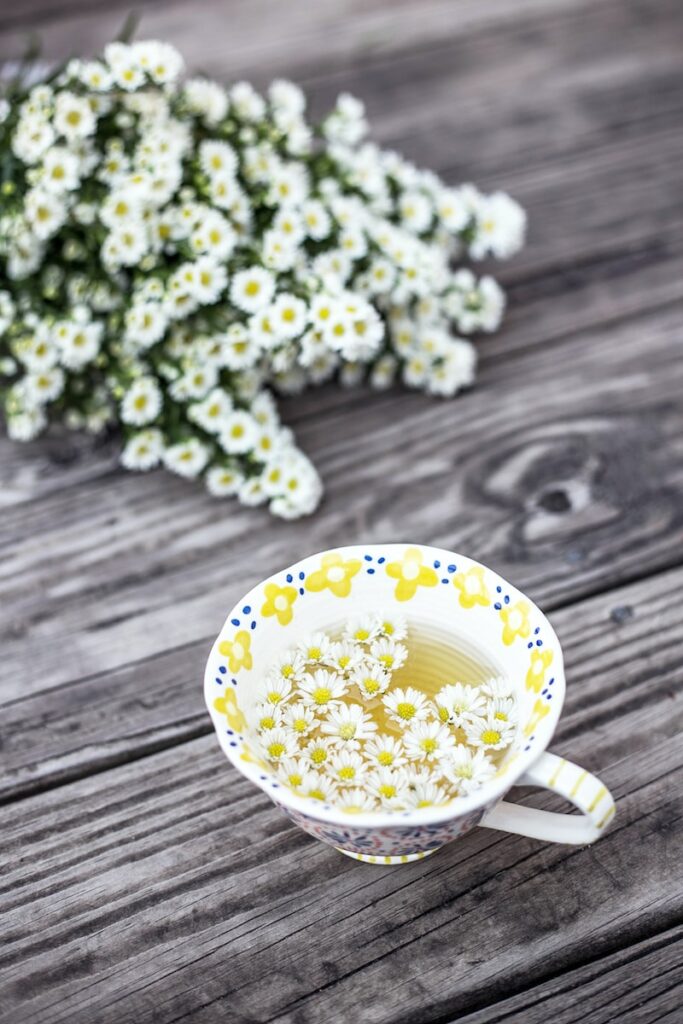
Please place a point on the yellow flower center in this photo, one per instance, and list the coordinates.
(490, 736)
(299, 725)
(287, 671)
(314, 653)
(318, 755)
(322, 695)
(387, 791)
(274, 697)
(252, 288)
(347, 731)
(405, 710)
(501, 716)
(429, 745)
(347, 773)
(295, 779)
(387, 660)
(385, 758)
(267, 722)
(317, 794)
(276, 749)
(361, 634)
(370, 686)
(443, 714)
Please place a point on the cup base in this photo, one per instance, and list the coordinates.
(369, 858)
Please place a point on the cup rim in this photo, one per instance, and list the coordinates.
(483, 798)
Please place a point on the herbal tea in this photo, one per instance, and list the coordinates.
(379, 717)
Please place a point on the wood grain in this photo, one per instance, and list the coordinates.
(102, 574)
(641, 984)
(142, 879)
(107, 719)
(169, 888)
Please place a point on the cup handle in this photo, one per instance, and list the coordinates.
(575, 784)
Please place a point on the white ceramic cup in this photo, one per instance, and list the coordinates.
(447, 596)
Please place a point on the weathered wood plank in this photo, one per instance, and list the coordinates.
(637, 985)
(167, 889)
(625, 642)
(561, 490)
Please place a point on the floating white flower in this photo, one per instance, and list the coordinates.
(458, 702)
(276, 688)
(389, 787)
(371, 679)
(385, 751)
(319, 752)
(267, 716)
(314, 649)
(427, 741)
(362, 629)
(489, 732)
(278, 744)
(294, 772)
(426, 794)
(498, 687)
(345, 657)
(468, 769)
(322, 689)
(406, 706)
(289, 666)
(388, 653)
(319, 787)
(346, 767)
(300, 718)
(348, 724)
(355, 801)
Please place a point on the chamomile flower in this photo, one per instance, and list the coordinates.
(238, 433)
(371, 679)
(252, 289)
(363, 629)
(503, 709)
(143, 450)
(212, 413)
(289, 666)
(388, 653)
(385, 751)
(142, 402)
(187, 458)
(393, 626)
(348, 725)
(319, 787)
(344, 656)
(427, 741)
(279, 744)
(267, 716)
(223, 481)
(355, 801)
(406, 706)
(315, 648)
(294, 772)
(346, 766)
(43, 386)
(275, 689)
(300, 718)
(426, 794)
(318, 752)
(467, 769)
(389, 787)
(457, 703)
(498, 687)
(489, 732)
(321, 689)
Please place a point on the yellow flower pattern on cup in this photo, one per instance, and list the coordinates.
(472, 587)
(515, 621)
(278, 602)
(237, 651)
(540, 661)
(411, 573)
(335, 574)
(540, 710)
(227, 705)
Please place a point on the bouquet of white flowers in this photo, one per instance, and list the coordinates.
(170, 252)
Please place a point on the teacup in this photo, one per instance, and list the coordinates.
(451, 596)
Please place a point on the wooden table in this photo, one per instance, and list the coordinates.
(142, 879)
